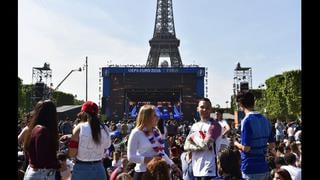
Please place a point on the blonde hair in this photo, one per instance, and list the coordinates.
(144, 115)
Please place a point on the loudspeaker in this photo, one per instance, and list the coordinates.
(39, 90)
(244, 86)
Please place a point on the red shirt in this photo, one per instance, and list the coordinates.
(42, 153)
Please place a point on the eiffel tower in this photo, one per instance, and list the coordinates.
(164, 41)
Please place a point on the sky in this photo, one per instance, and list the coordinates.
(264, 35)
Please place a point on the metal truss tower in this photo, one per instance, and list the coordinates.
(41, 79)
(242, 79)
(164, 41)
(242, 82)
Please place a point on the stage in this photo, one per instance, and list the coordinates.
(125, 86)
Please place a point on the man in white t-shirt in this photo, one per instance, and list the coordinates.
(225, 129)
(204, 162)
(225, 126)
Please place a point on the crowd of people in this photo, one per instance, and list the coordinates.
(165, 110)
(153, 148)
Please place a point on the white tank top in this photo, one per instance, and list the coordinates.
(88, 150)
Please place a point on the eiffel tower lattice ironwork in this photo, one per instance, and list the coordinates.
(164, 41)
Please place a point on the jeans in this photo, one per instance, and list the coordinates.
(205, 178)
(138, 175)
(39, 174)
(94, 171)
(261, 176)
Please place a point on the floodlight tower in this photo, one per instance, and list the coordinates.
(41, 80)
(242, 79)
(242, 82)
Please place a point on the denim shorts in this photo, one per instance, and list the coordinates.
(39, 174)
(88, 171)
(260, 176)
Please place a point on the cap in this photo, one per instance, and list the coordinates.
(90, 107)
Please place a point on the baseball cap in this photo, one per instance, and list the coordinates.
(90, 107)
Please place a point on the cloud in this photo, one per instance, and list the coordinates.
(63, 42)
(64, 33)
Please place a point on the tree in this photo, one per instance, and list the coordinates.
(26, 104)
(233, 104)
(275, 98)
(20, 99)
(61, 98)
(260, 103)
(78, 102)
(292, 90)
(24, 98)
(283, 95)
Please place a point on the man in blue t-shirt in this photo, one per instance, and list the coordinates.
(256, 133)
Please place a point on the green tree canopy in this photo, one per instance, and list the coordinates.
(62, 98)
(275, 98)
(25, 103)
(292, 90)
(283, 95)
